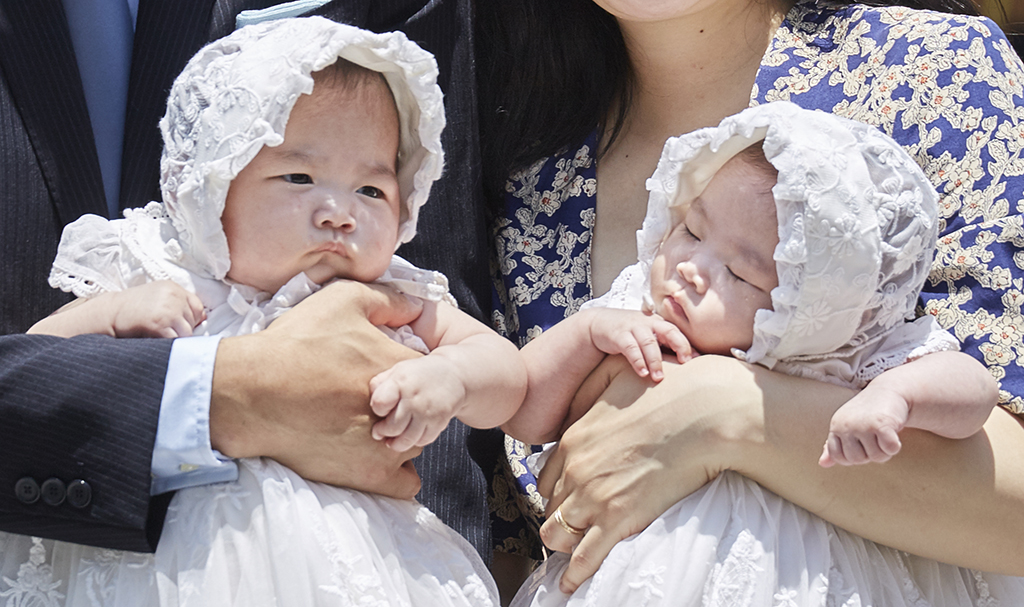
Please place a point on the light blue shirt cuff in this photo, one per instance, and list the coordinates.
(182, 456)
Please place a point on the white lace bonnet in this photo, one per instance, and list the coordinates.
(857, 230)
(235, 95)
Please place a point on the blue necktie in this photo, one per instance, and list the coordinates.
(102, 33)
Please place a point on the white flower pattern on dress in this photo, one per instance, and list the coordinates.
(34, 586)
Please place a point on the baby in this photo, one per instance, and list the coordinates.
(829, 294)
(256, 216)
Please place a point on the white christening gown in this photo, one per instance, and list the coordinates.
(733, 543)
(271, 538)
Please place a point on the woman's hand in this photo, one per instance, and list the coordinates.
(641, 448)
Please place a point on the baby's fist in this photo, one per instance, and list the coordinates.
(157, 309)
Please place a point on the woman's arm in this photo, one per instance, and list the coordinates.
(642, 447)
(957, 501)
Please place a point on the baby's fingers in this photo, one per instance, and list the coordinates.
(195, 312)
(632, 352)
(391, 426)
(834, 449)
(650, 353)
(847, 449)
(826, 461)
(872, 449)
(180, 327)
(384, 395)
(670, 335)
(412, 436)
(889, 442)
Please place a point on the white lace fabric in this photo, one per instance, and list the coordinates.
(857, 231)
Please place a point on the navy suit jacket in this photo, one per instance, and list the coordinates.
(86, 408)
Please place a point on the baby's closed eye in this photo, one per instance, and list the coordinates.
(734, 275)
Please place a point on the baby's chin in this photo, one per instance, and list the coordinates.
(323, 273)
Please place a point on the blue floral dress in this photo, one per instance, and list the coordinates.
(947, 88)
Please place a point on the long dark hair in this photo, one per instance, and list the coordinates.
(551, 70)
(548, 71)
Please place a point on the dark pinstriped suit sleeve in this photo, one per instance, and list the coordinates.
(84, 408)
(81, 408)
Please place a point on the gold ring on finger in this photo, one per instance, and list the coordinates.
(561, 521)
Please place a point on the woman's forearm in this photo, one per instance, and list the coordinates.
(957, 501)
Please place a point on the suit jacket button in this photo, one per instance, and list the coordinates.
(27, 490)
(79, 493)
(53, 491)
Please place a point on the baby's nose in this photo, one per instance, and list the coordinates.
(691, 273)
(335, 212)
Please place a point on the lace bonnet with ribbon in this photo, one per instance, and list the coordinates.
(857, 231)
(235, 96)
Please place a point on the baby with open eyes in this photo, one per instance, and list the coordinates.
(804, 253)
(296, 152)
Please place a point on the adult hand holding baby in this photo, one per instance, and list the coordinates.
(298, 392)
(643, 446)
(601, 480)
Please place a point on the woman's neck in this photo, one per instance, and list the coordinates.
(697, 68)
(691, 72)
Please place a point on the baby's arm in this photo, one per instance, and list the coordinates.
(471, 373)
(560, 359)
(155, 309)
(947, 393)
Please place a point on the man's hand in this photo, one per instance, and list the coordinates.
(298, 392)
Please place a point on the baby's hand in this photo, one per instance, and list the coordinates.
(155, 309)
(417, 398)
(865, 429)
(638, 336)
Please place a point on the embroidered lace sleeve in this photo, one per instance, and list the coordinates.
(89, 258)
